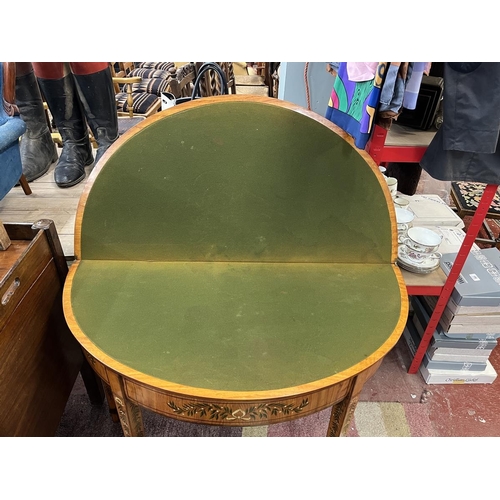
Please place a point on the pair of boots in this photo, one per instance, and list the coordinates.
(73, 101)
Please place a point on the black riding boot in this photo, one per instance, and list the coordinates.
(64, 104)
(98, 98)
(38, 150)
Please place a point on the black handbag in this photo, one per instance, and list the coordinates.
(205, 67)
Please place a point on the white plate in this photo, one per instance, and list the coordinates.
(430, 263)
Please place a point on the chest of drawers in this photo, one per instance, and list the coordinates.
(39, 357)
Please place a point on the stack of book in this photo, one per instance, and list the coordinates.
(469, 327)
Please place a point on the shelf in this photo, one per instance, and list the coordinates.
(399, 136)
(472, 232)
(399, 144)
(406, 145)
(424, 284)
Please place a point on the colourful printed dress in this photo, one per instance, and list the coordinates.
(352, 105)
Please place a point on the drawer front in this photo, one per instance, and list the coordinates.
(22, 276)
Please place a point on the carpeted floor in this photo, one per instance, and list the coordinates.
(393, 404)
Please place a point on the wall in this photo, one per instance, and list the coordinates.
(292, 85)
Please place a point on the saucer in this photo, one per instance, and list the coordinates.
(413, 269)
(406, 262)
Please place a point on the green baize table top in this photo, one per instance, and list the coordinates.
(236, 326)
(236, 245)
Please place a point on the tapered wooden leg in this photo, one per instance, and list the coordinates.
(24, 184)
(129, 413)
(111, 403)
(92, 383)
(4, 237)
(341, 417)
(343, 412)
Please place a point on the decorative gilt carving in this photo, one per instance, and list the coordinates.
(350, 413)
(222, 412)
(134, 417)
(123, 417)
(341, 416)
(336, 420)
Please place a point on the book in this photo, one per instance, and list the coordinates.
(421, 317)
(479, 281)
(413, 340)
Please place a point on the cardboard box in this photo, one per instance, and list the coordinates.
(434, 376)
(479, 327)
(458, 355)
(467, 323)
(421, 317)
(471, 323)
(412, 340)
(479, 280)
(431, 210)
(457, 310)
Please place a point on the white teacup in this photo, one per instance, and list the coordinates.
(404, 219)
(401, 202)
(422, 243)
(392, 183)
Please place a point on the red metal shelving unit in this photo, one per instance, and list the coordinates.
(383, 153)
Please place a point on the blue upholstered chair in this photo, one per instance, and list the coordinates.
(11, 128)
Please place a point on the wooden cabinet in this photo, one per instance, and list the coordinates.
(39, 357)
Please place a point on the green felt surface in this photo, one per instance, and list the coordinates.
(236, 327)
(236, 181)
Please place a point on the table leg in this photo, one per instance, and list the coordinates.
(92, 383)
(129, 413)
(341, 416)
(343, 411)
(111, 403)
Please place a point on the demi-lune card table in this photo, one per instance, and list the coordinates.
(235, 265)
